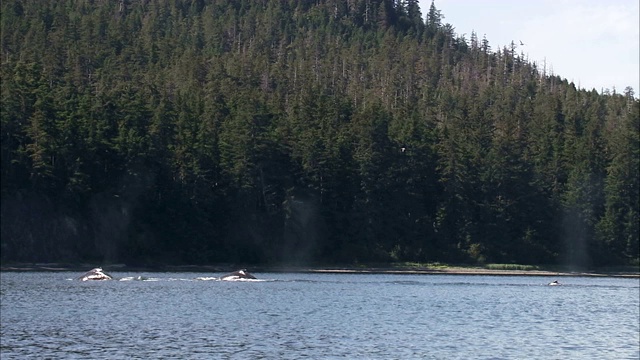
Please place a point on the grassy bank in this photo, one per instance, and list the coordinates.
(377, 268)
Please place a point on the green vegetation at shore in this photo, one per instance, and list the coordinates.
(377, 268)
(511, 267)
(291, 132)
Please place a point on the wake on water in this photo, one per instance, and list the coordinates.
(200, 278)
(231, 279)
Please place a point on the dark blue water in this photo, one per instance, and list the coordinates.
(318, 316)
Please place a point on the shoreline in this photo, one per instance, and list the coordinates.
(452, 270)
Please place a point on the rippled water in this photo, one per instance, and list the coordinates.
(318, 316)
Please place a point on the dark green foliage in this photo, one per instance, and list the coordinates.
(297, 131)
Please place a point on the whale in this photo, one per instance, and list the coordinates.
(554, 283)
(95, 274)
(237, 275)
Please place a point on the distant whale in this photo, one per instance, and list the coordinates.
(236, 275)
(95, 274)
(554, 283)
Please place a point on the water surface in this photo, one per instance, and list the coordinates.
(318, 316)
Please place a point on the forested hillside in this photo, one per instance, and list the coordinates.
(295, 131)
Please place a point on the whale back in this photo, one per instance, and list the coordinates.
(95, 274)
(240, 274)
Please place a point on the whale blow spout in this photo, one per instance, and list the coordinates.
(95, 274)
(236, 275)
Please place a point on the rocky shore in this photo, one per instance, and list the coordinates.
(440, 270)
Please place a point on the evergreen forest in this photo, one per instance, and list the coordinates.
(150, 132)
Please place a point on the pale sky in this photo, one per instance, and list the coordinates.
(594, 43)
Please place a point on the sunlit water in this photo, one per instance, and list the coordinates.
(318, 316)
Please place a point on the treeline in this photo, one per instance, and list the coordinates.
(191, 132)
